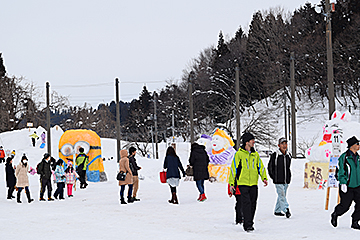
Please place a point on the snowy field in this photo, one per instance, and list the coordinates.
(95, 213)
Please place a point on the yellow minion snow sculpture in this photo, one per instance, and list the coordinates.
(69, 145)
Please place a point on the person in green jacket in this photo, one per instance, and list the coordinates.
(82, 161)
(245, 170)
(349, 182)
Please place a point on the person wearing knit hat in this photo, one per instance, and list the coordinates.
(349, 182)
(245, 171)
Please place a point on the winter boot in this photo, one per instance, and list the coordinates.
(18, 197)
(202, 198)
(28, 196)
(334, 217)
(175, 199)
(172, 198)
(42, 199)
(122, 201)
(279, 214)
(199, 197)
(135, 199)
(355, 224)
(130, 200)
(288, 214)
(50, 199)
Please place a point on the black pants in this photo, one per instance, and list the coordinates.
(172, 189)
(249, 196)
(10, 192)
(45, 183)
(82, 178)
(239, 218)
(33, 141)
(352, 194)
(59, 190)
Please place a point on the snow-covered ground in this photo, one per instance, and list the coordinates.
(95, 213)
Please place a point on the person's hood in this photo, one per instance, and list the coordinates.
(123, 153)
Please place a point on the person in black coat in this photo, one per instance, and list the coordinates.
(199, 160)
(172, 164)
(279, 172)
(10, 177)
(45, 177)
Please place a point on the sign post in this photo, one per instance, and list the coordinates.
(334, 157)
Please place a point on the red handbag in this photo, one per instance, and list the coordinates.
(163, 177)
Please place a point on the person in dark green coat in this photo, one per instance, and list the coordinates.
(349, 183)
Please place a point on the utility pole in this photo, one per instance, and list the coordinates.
(293, 119)
(237, 97)
(173, 126)
(156, 131)
(48, 126)
(191, 107)
(152, 141)
(285, 122)
(118, 133)
(330, 65)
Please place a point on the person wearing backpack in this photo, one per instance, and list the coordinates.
(279, 172)
(44, 170)
(82, 161)
(349, 183)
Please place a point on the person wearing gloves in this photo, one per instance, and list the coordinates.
(22, 182)
(349, 182)
(279, 172)
(172, 164)
(248, 166)
(60, 180)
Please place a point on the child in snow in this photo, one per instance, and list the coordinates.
(70, 178)
(2, 154)
(60, 179)
(34, 137)
(43, 137)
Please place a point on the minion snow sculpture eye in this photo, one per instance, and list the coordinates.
(69, 145)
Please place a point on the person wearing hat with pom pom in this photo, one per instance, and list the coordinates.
(22, 179)
(245, 170)
(349, 183)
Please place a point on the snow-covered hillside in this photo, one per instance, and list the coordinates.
(95, 213)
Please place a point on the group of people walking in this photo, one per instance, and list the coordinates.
(48, 169)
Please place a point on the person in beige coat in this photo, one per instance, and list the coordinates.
(22, 181)
(124, 167)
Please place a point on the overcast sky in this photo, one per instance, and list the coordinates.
(89, 43)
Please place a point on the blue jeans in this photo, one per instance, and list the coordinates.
(281, 203)
(200, 186)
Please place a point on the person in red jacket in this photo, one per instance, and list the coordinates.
(2, 155)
